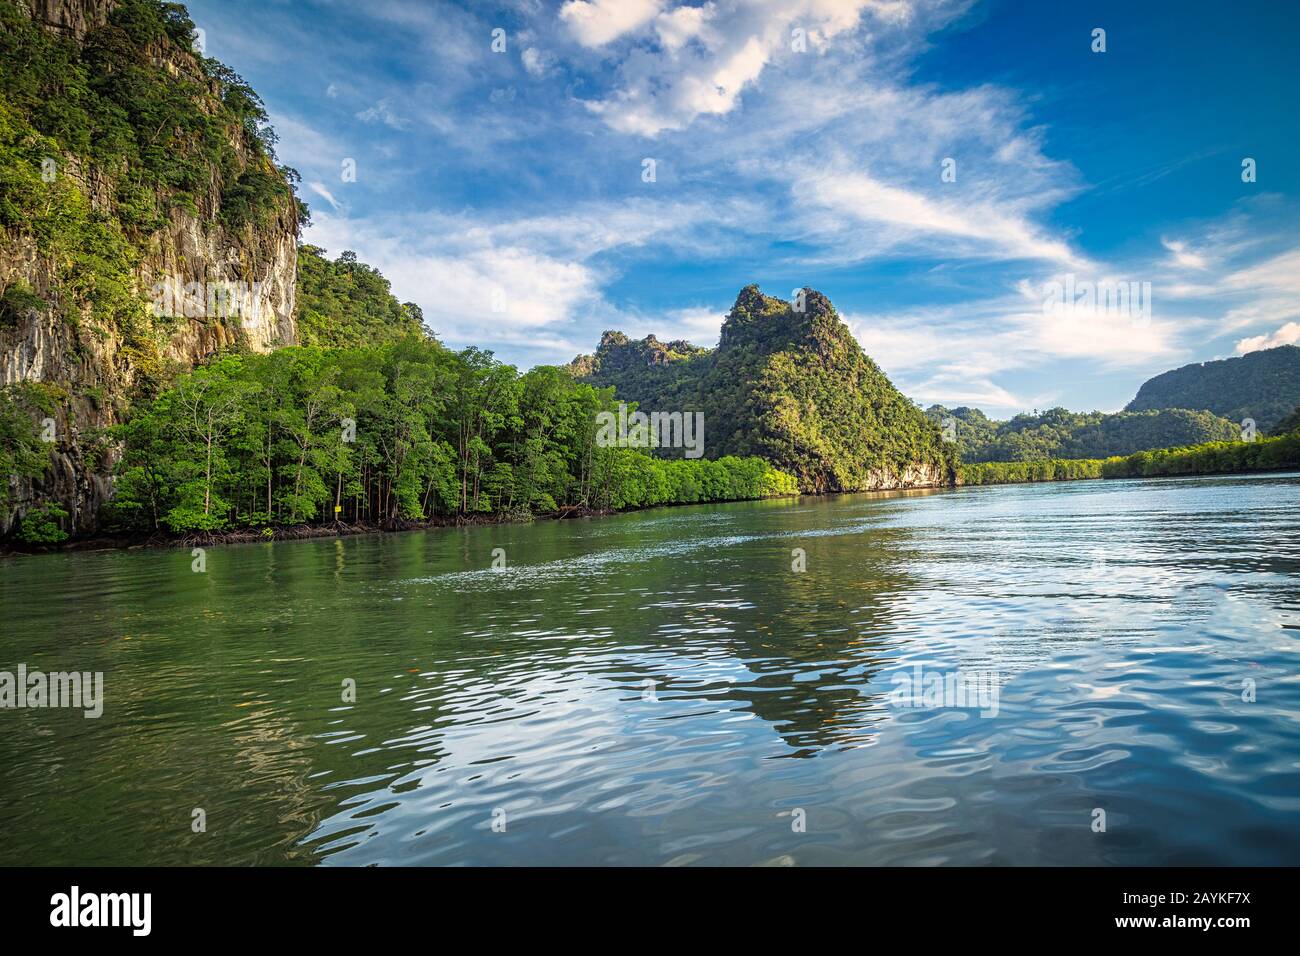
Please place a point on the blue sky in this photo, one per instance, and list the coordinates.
(505, 192)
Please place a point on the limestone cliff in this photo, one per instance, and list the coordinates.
(73, 18)
(787, 382)
(203, 277)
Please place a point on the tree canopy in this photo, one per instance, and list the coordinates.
(344, 303)
(397, 432)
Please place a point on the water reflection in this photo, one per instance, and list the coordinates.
(663, 688)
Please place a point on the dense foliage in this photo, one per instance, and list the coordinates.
(1061, 434)
(402, 431)
(1263, 385)
(1289, 424)
(43, 525)
(347, 303)
(1012, 472)
(657, 374)
(1263, 454)
(788, 383)
(1208, 458)
(23, 456)
(159, 134)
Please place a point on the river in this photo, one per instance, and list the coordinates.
(670, 687)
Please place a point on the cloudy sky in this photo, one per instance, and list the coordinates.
(532, 173)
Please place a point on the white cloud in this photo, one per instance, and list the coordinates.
(536, 62)
(319, 189)
(957, 390)
(303, 146)
(1262, 293)
(669, 86)
(1183, 255)
(521, 281)
(678, 27)
(597, 22)
(1111, 340)
(383, 112)
(1279, 273)
(510, 288)
(935, 359)
(1288, 334)
(481, 293)
(860, 162)
(698, 325)
(979, 229)
(955, 355)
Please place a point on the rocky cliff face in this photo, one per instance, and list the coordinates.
(73, 18)
(206, 285)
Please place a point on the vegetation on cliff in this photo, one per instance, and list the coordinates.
(344, 303)
(1263, 386)
(101, 141)
(789, 383)
(22, 453)
(403, 431)
(163, 136)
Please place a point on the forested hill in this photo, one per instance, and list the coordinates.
(172, 361)
(788, 382)
(1263, 385)
(1059, 433)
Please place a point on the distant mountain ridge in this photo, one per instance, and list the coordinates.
(789, 382)
(1263, 386)
(770, 388)
(1060, 433)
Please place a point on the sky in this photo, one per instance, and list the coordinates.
(957, 176)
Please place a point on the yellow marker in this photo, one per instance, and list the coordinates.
(338, 508)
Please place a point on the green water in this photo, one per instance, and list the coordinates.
(662, 687)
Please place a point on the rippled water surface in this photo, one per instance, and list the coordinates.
(662, 688)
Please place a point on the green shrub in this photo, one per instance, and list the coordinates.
(43, 525)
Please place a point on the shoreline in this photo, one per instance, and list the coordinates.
(1182, 474)
(303, 532)
(341, 529)
(299, 532)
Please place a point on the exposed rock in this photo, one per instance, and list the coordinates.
(255, 267)
(74, 18)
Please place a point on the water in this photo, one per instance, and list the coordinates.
(662, 688)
